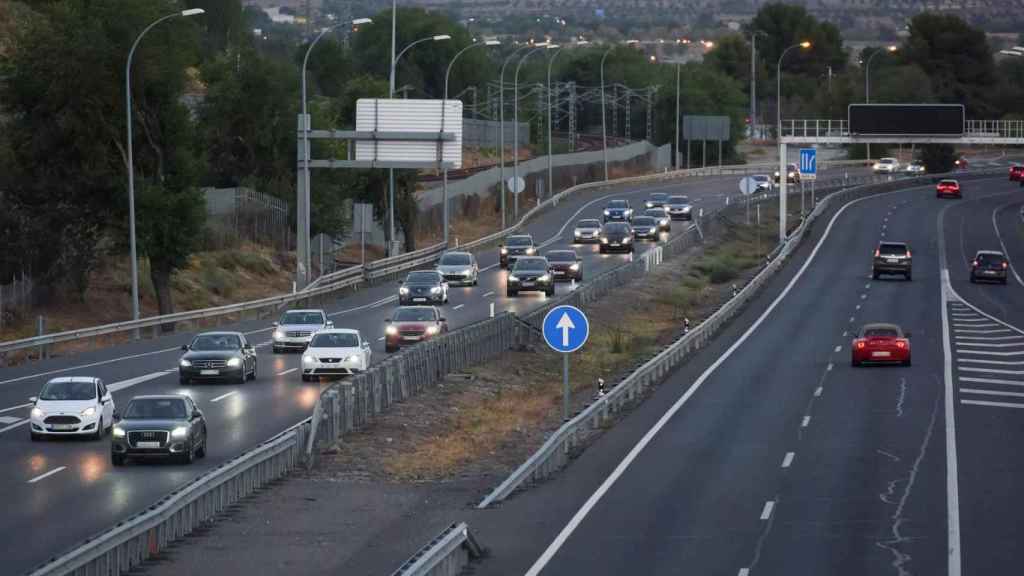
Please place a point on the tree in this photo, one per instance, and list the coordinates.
(785, 25)
(731, 56)
(957, 58)
(224, 24)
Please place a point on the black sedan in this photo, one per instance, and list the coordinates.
(218, 356)
(656, 200)
(532, 273)
(565, 265)
(423, 287)
(166, 426)
(618, 210)
(616, 236)
(514, 247)
(659, 214)
(646, 228)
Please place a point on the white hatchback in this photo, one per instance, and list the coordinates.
(72, 406)
(886, 166)
(335, 352)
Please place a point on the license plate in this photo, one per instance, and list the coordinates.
(63, 426)
(209, 372)
(419, 299)
(411, 338)
(527, 284)
(892, 260)
(881, 354)
(615, 243)
(990, 272)
(147, 444)
(559, 272)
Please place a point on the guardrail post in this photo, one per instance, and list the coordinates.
(41, 326)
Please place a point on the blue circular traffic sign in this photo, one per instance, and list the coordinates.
(565, 328)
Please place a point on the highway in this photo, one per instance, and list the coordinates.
(769, 454)
(49, 483)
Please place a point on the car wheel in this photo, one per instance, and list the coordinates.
(550, 292)
(189, 455)
(875, 275)
(243, 376)
(252, 376)
(99, 430)
(278, 350)
(35, 437)
(909, 276)
(907, 362)
(854, 362)
(201, 451)
(973, 279)
(184, 380)
(601, 250)
(389, 349)
(511, 293)
(1004, 281)
(117, 459)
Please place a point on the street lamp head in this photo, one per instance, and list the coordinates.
(582, 42)
(892, 48)
(805, 44)
(361, 21)
(440, 37)
(492, 42)
(551, 46)
(193, 12)
(634, 41)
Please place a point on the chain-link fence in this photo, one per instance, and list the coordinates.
(15, 298)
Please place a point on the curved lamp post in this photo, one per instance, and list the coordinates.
(867, 80)
(604, 120)
(501, 130)
(782, 147)
(515, 127)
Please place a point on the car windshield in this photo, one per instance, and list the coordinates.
(520, 241)
(991, 259)
(658, 197)
(617, 228)
(422, 278)
(656, 213)
(644, 221)
(74, 390)
(760, 178)
(155, 409)
(531, 264)
(456, 260)
(887, 161)
(415, 315)
(792, 167)
(617, 204)
(892, 249)
(562, 256)
(948, 183)
(679, 200)
(211, 342)
(302, 318)
(335, 340)
(588, 224)
(881, 333)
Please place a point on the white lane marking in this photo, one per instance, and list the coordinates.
(958, 325)
(766, 512)
(288, 371)
(863, 296)
(868, 285)
(489, 294)
(991, 381)
(983, 353)
(805, 422)
(385, 300)
(15, 425)
(829, 367)
(18, 407)
(5, 420)
(999, 236)
(999, 331)
(851, 319)
(845, 333)
(818, 391)
(994, 362)
(992, 371)
(991, 392)
(486, 268)
(838, 349)
(457, 306)
(381, 339)
(118, 386)
(952, 480)
(48, 474)
(983, 344)
(996, 404)
(990, 338)
(223, 396)
(788, 460)
(80, 366)
(620, 469)
(857, 307)
(971, 318)
(744, 572)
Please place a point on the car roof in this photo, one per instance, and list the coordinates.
(526, 259)
(891, 243)
(303, 310)
(622, 200)
(881, 326)
(458, 252)
(562, 251)
(221, 333)
(339, 331)
(683, 196)
(760, 176)
(527, 236)
(644, 217)
(990, 253)
(950, 180)
(160, 397)
(73, 379)
(589, 220)
(887, 158)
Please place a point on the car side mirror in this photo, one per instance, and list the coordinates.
(250, 348)
(275, 324)
(117, 415)
(33, 399)
(444, 319)
(366, 344)
(196, 414)
(184, 347)
(388, 320)
(330, 324)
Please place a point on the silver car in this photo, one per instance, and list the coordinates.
(296, 329)
(679, 208)
(459, 269)
(588, 230)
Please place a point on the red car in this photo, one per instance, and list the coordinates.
(948, 188)
(880, 344)
(1017, 173)
(413, 324)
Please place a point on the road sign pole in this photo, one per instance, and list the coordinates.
(565, 387)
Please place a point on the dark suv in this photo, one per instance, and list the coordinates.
(532, 273)
(514, 247)
(891, 258)
(989, 265)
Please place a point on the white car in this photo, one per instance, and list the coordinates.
(587, 230)
(72, 406)
(296, 328)
(459, 269)
(764, 183)
(335, 352)
(886, 166)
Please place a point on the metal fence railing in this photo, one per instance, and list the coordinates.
(556, 450)
(446, 555)
(244, 215)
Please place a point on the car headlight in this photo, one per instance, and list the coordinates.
(686, 208)
(575, 232)
(626, 240)
(37, 413)
(544, 278)
(574, 267)
(513, 278)
(91, 410)
(606, 212)
(118, 432)
(664, 221)
(308, 359)
(391, 330)
(278, 335)
(234, 362)
(352, 358)
(179, 432)
(185, 363)
(654, 230)
(467, 273)
(403, 290)
(531, 250)
(604, 240)
(504, 250)
(435, 290)
(433, 329)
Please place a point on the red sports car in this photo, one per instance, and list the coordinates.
(948, 188)
(1017, 173)
(880, 344)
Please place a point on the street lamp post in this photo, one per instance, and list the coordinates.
(515, 127)
(551, 62)
(444, 168)
(302, 267)
(867, 81)
(130, 157)
(604, 120)
(391, 94)
(675, 164)
(501, 131)
(783, 176)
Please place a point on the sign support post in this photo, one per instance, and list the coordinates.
(565, 330)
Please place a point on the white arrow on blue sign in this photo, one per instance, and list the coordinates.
(565, 328)
(808, 161)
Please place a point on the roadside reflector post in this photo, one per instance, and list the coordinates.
(492, 309)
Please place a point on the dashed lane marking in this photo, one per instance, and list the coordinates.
(766, 513)
(817, 393)
(838, 348)
(805, 422)
(457, 306)
(994, 404)
(788, 460)
(489, 294)
(288, 371)
(47, 475)
(223, 396)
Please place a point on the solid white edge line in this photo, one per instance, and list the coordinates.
(48, 474)
(1000, 238)
(620, 469)
(953, 550)
(987, 403)
(18, 407)
(15, 425)
(223, 396)
(766, 513)
(288, 371)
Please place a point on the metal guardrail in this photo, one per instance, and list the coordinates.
(824, 128)
(446, 555)
(556, 451)
(143, 536)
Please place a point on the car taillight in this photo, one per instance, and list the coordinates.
(974, 264)
(877, 252)
(1006, 265)
(860, 344)
(908, 253)
(901, 344)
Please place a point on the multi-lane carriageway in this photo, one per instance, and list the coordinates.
(68, 488)
(768, 453)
